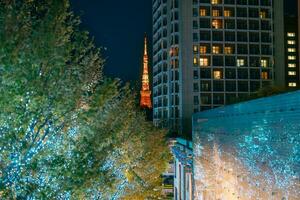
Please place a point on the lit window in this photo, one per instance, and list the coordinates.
(291, 34)
(291, 65)
(263, 63)
(292, 84)
(291, 42)
(264, 75)
(195, 61)
(216, 23)
(292, 73)
(216, 13)
(262, 14)
(291, 57)
(214, 1)
(240, 62)
(202, 12)
(228, 50)
(195, 48)
(202, 49)
(291, 50)
(227, 13)
(204, 62)
(217, 74)
(216, 49)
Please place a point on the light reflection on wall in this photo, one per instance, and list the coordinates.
(249, 150)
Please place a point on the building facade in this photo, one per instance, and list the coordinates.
(291, 40)
(183, 166)
(206, 53)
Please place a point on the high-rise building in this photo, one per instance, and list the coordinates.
(291, 40)
(206, 53)
(145, 100)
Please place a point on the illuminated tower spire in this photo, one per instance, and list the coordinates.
(145, 101)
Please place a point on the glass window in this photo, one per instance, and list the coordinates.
(240, 62)
(263, 63)
(291, 50)
(217, 23)
(217, 74)
(291, 57)
(215, 1)
(216, 13)
(291, 65)
(264, 75)
(228, 50)
(204, 62)
(227, 13)
(291, 42)
(292, 84)
(195, 48)
(195, 61)
(216, 49)
(202, 49)
(262, 14)
(289, 34)
(202, 12)
(292, 73)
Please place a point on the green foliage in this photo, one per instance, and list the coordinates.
(66, 132)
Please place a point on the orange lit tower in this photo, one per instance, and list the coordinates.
(145, 101)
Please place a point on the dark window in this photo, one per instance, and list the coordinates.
(254, 49)
(229, 1)
(241, 24)
(196, 75)
(253, 24)
(217, 61)
(242, 49)
(205, 86)
(253, 12)
(205, 35)
(204, 23)
(243, 73)
(241, 12)
(218, 98)
(230, 73)
(205, 98)
(218, 36)
(254, 62)
(254, 37)
(230, 36)
(243, 86)
(205, 73)
(229, 24)
(218, 86)
(242, 37)
(229, 60)
(230, 86)
(254, 86)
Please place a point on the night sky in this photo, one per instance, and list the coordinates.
(119, 26)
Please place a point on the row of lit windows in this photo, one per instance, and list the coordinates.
(215, 49)
(217, 74)
(204, 62)
(292, 84)
(291, 34)
(291, 57)
(227, 13)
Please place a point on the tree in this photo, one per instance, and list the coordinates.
(66, 131)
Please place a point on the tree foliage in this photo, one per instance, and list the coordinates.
(66, 131)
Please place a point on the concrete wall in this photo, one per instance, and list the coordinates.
(279, 60)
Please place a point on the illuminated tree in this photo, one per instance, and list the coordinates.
(65, 130)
